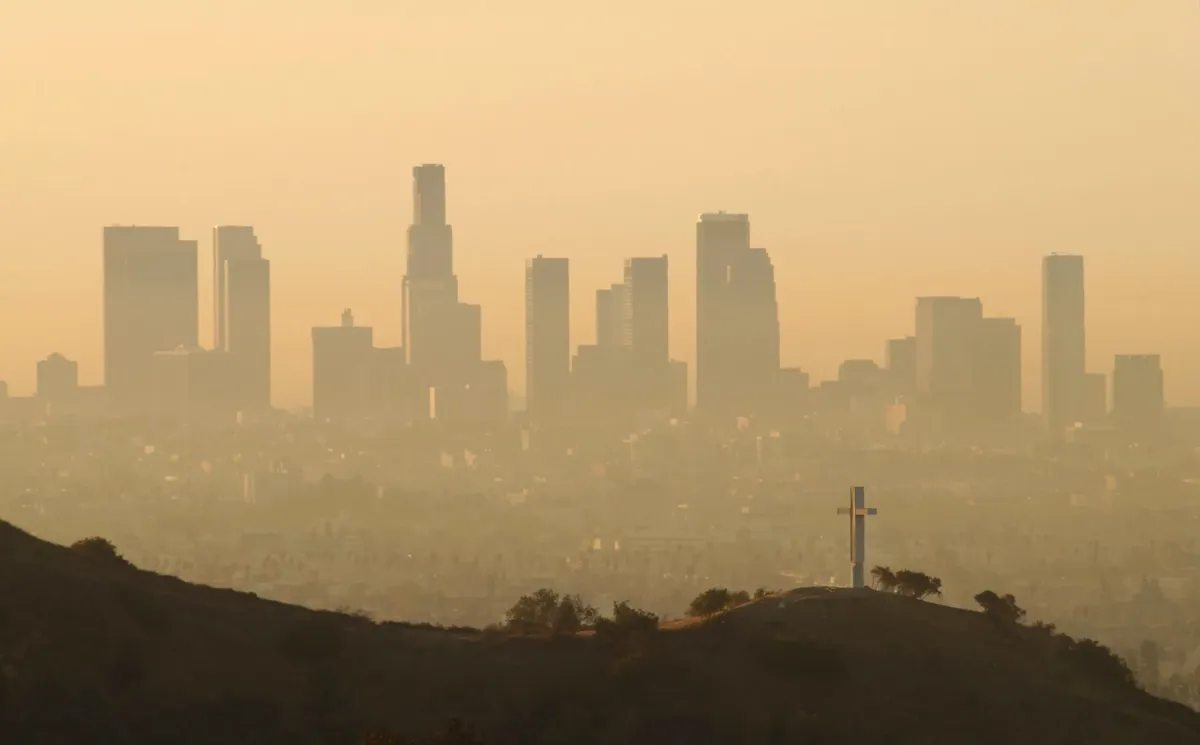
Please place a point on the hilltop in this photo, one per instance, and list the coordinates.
(95, 651)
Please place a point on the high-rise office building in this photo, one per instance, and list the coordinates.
(344, 370)
(1064, 350)
(947, 329)
(431, 315)
(57, 380)
(900, 359)
(737, 319)
(610, 304)
(242, 311)
(719, 238)
(1138, 400)
(442, 336)
(151, 301)
(547, 336)
(997, 370)
(645, 320)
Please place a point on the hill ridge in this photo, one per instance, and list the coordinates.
(100, 652)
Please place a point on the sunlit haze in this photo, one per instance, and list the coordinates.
(883, 150)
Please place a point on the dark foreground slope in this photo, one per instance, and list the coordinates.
(93, 652)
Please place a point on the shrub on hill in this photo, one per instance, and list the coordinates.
(906, 582)
(626, 621)
(547, 612)
(1097, 661)
(101, 550)
(1002, 609)
(713, 601)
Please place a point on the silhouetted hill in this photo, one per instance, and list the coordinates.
(94, 651)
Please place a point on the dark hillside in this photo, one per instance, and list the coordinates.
(94, 651)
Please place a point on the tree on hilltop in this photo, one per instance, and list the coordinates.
(100, 549)
(547, 612)
(883, 579)
(1000, 608)
(714, 600)
(626, 621)
(917, 584)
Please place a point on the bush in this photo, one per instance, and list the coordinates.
(763, 592)
(884, 579)
(1098, 661)
(626, 621)
(547, 612)
(1001, 609)
(713, 601)
(101, 550)
(917, 584)
(906, 582)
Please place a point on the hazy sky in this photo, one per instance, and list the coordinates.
(884, 149)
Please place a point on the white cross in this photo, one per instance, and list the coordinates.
(858, 512)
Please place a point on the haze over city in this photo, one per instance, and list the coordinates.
(384, 373)
(884, 151)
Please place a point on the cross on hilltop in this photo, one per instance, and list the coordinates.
(858, 512)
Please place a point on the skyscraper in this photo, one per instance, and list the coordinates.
(343, 369)
(547, 336)
(752, 347)
(644, 315)
(151, 300)
(610, 305)
(430, 286)
(997, 370)
(901, 363)
(947, 329)
(242, 311)
(1063, 341)
(1137, 392)
(737, 319)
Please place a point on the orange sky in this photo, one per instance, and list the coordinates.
(884, 149)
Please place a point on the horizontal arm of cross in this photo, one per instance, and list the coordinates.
(858, 512)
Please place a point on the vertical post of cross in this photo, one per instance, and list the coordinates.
(858, 512)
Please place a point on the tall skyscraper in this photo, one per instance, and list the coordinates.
(753, 344)
(719, 238)
(737, 319)
(547, 336)
(644, 315)
(997, 370)
(242, 311)
(947, 329)
(901, 362)
(1064, 348)
(1138, 400)
(431, 315)
(610, 312)
(151, 301)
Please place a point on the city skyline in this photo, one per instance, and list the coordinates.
(920, 151)
(238, 245)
